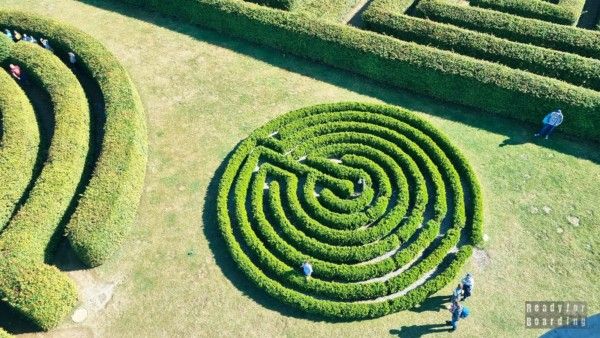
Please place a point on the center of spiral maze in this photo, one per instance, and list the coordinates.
(376, 199)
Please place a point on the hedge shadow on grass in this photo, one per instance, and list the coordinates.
(362, 85)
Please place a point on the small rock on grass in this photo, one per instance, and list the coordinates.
(546, 209)
(79, 315)
(574, 220)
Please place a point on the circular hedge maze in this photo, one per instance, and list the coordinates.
(72, 161)
(377, 200)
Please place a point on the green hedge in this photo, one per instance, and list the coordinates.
(4, 334)
(567, 67)
(109, 203)
(4, 47)
(422, 69)
(540, 33)
(390, 150)
(20, 140)
(281, 4)
(565, 12)
(40, 292)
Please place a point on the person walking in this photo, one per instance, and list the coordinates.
(467, 284)
(455, 310)
(72, 59)
(457, 293)
(307, 269)
(550, 122)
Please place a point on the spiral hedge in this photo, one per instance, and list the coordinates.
(71, 184)
(384, 207)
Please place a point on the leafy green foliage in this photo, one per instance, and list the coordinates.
(281, 4)
(571, 68)
(110, 200)
(108, 204)
(18, 145)
(540, 33)
(284, 199)
(441, 74)
(26, 283)
(564, 12)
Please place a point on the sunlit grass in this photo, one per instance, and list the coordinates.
(204, 92)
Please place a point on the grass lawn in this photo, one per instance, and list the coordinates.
(204, 92)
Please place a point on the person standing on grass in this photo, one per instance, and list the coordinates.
(467, 284)
(456, 311)
(307, 269)
(457, 292)
(551, 121)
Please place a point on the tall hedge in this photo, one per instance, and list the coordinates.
(18, 145)
(382, 17)
(540, 33)
(422, 69)
(110, 200)
(39, 292)
(281, 4)
(564, 12)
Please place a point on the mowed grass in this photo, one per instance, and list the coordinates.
(204, 92)
(332, 10)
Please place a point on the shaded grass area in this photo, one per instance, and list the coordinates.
(204, 92)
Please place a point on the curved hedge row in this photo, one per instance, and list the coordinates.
(109, 203)
(98, 219)
(347, 186)
(425, 70)
(26, 284)
(572, 68)
(18, 145)
(540, 33)
(564, 12)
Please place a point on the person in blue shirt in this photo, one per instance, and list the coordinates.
(550, 122)
(459, 312)
(307, 269)
(8, 34)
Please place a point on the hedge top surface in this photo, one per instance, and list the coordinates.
(18, 145)
(345, 187)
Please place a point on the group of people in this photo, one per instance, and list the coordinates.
(460, 294)
(16, 37)
(15, 70)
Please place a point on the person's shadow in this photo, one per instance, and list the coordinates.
(435, 303)
(420, 330)
(516, 139)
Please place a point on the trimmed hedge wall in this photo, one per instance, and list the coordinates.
(422, 69)
(565, 12)
(567, 67)
(109, 203)
(540, 33)
(267, 205)
(281, 4)
(39, 292)
(18, 145)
